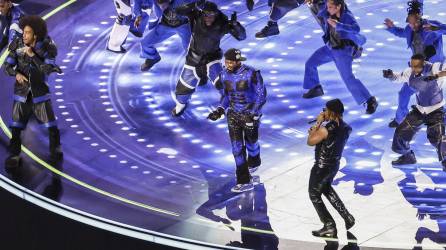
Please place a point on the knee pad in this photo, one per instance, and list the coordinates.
(189, 77)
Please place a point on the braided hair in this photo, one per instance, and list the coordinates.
(415, 8)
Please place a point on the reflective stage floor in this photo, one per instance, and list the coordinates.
(128, 160)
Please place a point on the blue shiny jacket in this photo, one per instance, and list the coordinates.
(347, 27)
(242, 91)
(433, 38)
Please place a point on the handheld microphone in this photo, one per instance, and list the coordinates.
(312, 121)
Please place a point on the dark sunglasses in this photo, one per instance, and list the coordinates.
(209, 13)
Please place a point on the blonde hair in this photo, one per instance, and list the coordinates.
(330, 115)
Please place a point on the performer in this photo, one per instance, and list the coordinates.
(31, 60)
(329, 135)
(279, 8)
(10, 15)
(343, 44)
(209, 25)
(121, 27)
(420, 41)
(141, 13)
(169, 24)
(427, 80)
(243, 96)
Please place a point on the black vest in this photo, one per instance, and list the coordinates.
(329, 151)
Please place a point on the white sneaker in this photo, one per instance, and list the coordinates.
(240, 188)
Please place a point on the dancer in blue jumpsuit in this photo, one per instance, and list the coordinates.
(243, 95)
(10, 15)
(169, 23)
(279, 8)
(128, 19)
(209, 26)
(141, 13)
(342, 44)
(427, 80)
(420, 41)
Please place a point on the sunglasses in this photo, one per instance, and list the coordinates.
(209, 14)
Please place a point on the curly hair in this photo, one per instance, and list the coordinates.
(37, 24)
(415, 8)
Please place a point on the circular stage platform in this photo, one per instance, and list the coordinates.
(131, 165)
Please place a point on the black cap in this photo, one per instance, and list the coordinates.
(234, 55)
(210, 7)
(335, 106)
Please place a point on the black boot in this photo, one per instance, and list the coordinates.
(148, 64)
(314, 92)
(337, 203)
(254, 163)
(349, 221)
(328, 231)
(393, 124)
(270, 29)
(15, 144)
(55, 148)
(372, 104)
(443, 163)
(408, 158)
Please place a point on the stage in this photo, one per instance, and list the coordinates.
(126, 159)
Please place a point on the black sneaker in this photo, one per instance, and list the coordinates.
(271, 29)
(372, 104)
(328, 231)
(314, 92)
(349, 221)
(408, 158)
(121, 51)
(393, 124)
(148, 64)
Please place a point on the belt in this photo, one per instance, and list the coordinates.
(345, 43)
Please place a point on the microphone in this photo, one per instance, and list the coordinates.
(312, 121)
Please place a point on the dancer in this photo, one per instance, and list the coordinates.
(10, 15)
(169, 24)
(31, 59)
(342, 44)
(427, 79)
(279, 8)
(421, 41)
(329, 135)
(209, 25)
(123, 22)
(243, 96)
